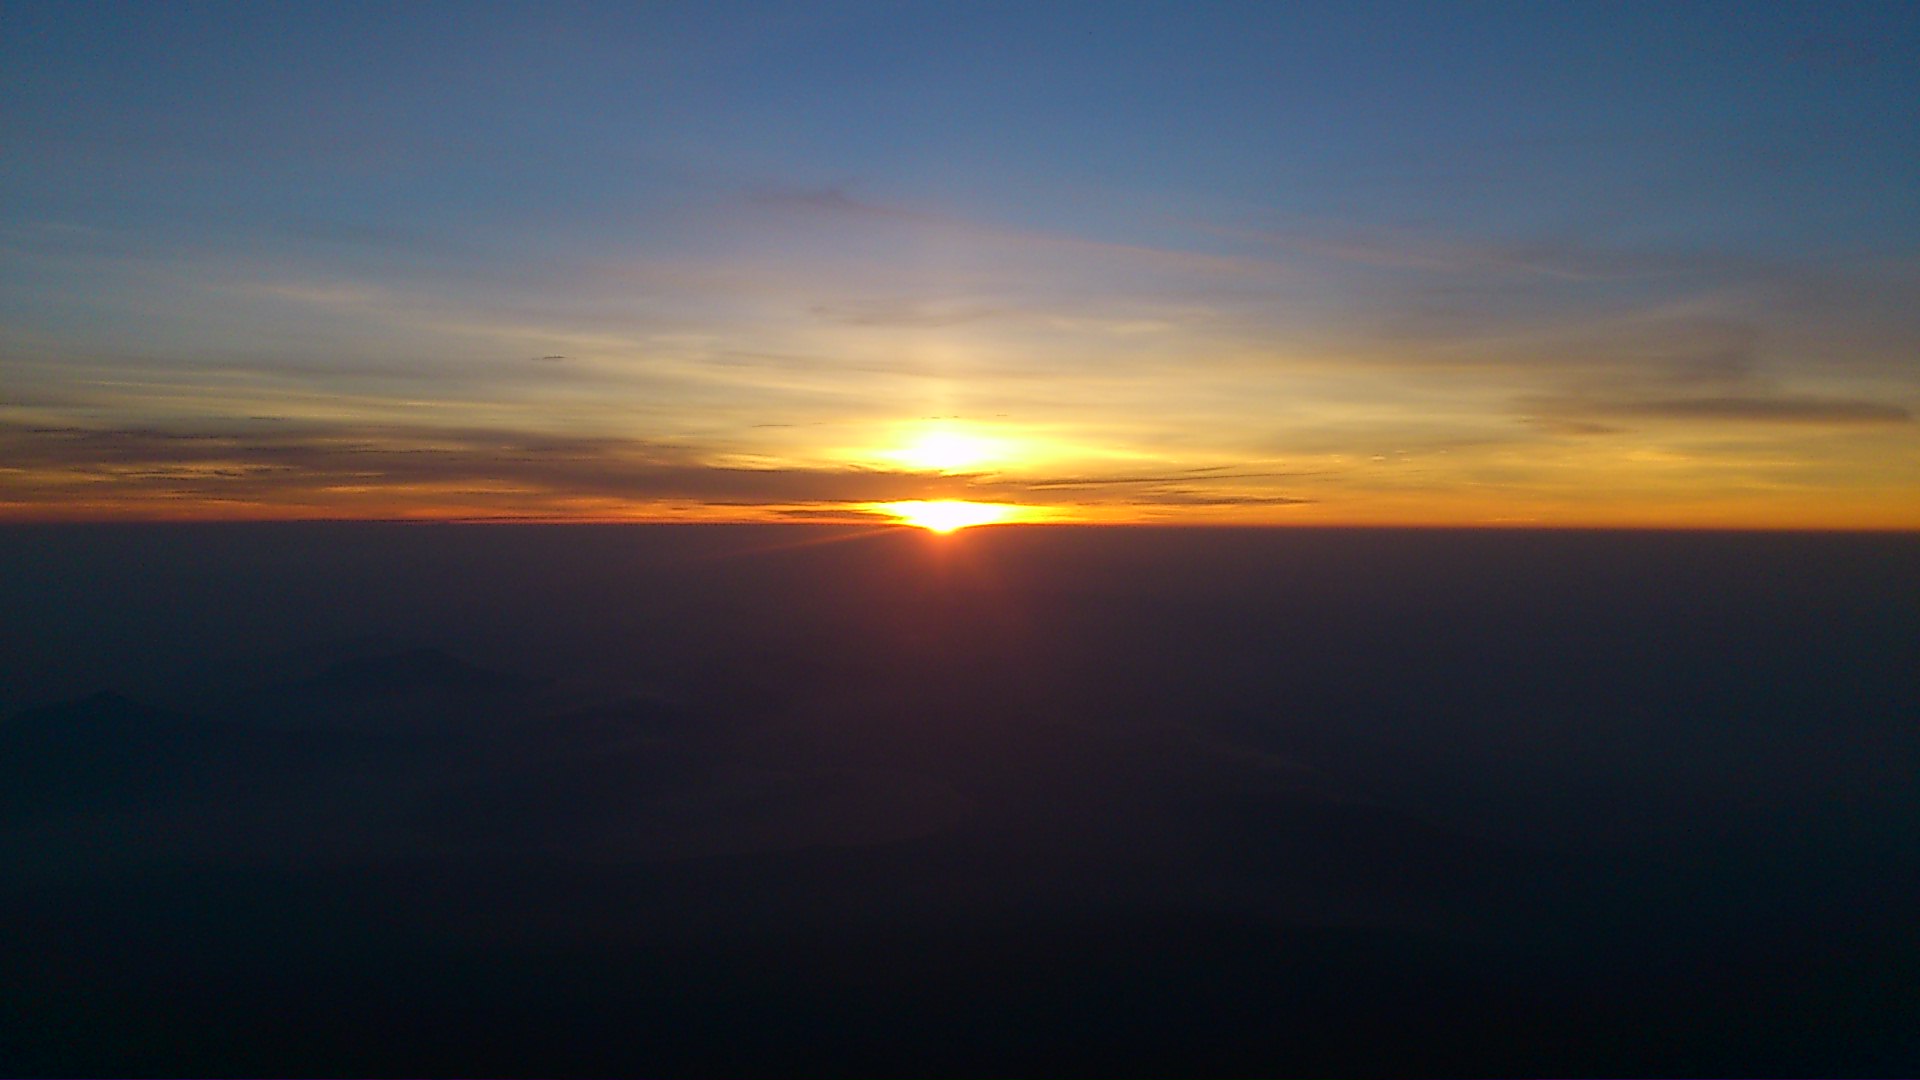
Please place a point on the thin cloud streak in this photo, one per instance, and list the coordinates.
(346, 468)
(1801, 409)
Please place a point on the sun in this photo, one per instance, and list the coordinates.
(948, 448)
(946, 515)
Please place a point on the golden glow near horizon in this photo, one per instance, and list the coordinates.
(1663, 417)
(947, 515)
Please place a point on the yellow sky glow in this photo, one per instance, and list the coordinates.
(1653, 419)
(946, 449)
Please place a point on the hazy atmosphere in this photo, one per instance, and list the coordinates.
(962, 540)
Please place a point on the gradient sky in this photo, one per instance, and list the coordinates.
(1451, 263)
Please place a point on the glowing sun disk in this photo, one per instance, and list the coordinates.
(946, 515)
(947, 449)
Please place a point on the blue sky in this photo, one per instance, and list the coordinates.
(1397, 262)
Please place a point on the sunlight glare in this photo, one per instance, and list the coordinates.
(947, 448)
(946, 515)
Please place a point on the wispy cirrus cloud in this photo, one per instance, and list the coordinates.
(1764, 409)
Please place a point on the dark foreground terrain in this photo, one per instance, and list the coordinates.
(807, 801)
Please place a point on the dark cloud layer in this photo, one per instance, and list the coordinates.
(509, 468)
(511, 473)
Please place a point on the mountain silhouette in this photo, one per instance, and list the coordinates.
(423, 670)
